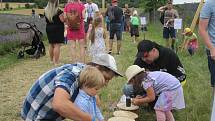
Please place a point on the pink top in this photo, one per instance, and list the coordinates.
(75, 35)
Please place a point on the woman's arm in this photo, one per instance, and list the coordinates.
(150, 96)
(61, 16)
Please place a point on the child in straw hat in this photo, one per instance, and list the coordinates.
(91, 80)
(190, 41)
(157, 83)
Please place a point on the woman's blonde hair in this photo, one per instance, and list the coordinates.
(51, 9)
(91, 77)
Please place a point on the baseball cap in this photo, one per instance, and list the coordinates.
(113, 1)
(143, 47)
(108, 61)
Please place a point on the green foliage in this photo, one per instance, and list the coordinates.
(7, 47)
(41, 3)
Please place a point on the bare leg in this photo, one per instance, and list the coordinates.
(56, 53)
(118, 46)
(169, 116)
(168, 43)
(73, 50)
(160, 115)
(173, 44)
(51, 52)
(213, 106)
(110, 46)
(82, 50)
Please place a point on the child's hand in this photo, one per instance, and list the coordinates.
(136, 101)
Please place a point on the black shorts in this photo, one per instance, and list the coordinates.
(134, 31)
(211, 66)
(115, 28)
(169, 32)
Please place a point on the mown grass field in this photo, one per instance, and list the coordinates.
(16, 79)
(23, 11)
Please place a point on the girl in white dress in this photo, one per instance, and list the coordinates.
(97, 37)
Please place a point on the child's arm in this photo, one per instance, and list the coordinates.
(149, 98)
(99, 114)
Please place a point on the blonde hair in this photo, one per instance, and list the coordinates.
(91, 77)
(51, 9)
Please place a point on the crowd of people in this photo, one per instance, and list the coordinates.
(156, 76)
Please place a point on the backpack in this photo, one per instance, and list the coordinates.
(111, 14)
(162, 17)
(73, 20)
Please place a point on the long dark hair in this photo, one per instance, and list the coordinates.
(138, 79)
(96, 22)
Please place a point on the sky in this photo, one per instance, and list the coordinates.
(184, 1)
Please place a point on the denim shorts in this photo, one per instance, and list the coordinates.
(211, 66)
(169, 32)
(115, 28)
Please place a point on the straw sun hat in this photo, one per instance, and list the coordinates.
(133, 71)
(127, 114)
(187, 30)
(120, 119)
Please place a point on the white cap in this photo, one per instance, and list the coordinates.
(106, 60)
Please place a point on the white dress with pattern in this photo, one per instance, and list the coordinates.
(98, 47)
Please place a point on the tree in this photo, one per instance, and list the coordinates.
(151, 6)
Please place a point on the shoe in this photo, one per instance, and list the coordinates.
(118, 53)
(109, 52)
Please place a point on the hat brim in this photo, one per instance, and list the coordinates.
(137, 72)
(115, 71)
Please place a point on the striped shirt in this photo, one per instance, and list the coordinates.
(37, 104)
(86, 103)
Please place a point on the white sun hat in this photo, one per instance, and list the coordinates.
(127, 114)
(133, 71)
(106, 60)
(120, 119)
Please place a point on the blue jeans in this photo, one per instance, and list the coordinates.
(211, 66)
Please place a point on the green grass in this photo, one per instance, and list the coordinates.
(197, 91)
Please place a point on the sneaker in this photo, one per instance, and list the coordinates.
(109, 52)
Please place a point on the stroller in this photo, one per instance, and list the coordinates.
(30, 37)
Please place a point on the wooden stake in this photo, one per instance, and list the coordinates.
(195, 19)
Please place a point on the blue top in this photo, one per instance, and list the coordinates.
(37, 104)
(86, 103)
(208, 12)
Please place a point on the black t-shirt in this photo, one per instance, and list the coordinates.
(168, 61)
(118, 13)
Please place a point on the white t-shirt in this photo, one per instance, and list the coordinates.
(91, 9)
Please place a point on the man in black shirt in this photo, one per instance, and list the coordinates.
(115, 26)
(155, 57)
